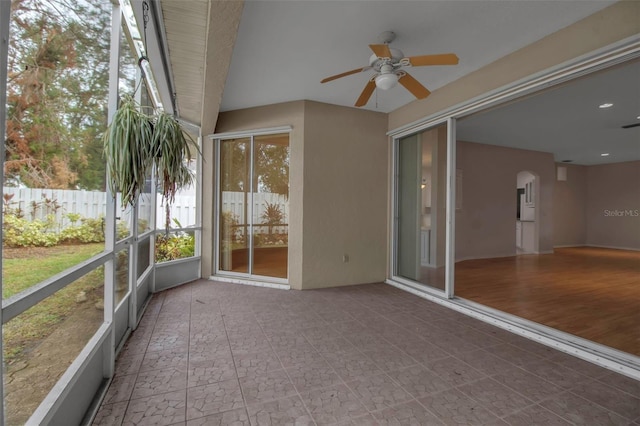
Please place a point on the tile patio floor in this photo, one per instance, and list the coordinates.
(210, 353)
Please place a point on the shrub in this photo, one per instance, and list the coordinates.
(89, 231)
(20, 232)
(174, 246)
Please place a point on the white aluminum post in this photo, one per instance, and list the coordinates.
(217, 202)
(133, 270)
(198, 233)
(5, 20)
(133, 248)
(249, 208)
(154, 227)
(450, 255)
(110, 214)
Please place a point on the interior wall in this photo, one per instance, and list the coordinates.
(346, 153)
(612, 24)
(570, 207)
(486, 224)
(613, 205)
(285, 114)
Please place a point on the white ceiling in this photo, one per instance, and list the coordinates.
(567, 121)
(284, 48)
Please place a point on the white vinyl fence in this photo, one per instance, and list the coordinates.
(234, 202)
(39, 203)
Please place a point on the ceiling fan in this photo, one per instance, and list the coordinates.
(388, 62)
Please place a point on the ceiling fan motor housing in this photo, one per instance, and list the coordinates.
(377, 63)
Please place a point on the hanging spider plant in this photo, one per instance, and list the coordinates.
(127, 148)
(134, 142)
(172, 149)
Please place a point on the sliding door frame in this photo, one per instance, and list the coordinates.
(617, 53)
(242, 277)
(450, 202)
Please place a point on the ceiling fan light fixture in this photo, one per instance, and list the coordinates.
(386, 81)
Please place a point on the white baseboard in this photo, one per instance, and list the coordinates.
(597, 246)
(614, 247)
(249, 282)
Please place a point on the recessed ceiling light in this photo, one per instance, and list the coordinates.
(605, 105)
(605, 154)
(638, 117)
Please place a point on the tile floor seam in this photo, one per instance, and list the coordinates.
(487, 407)
(304, 404)
(186, 390)
(287, 374)
(637, 396)
(413, 398)
(600, 406)
(302, 400)
(586, 400)
(244, 400)
(137, 373)
(485, 375)
(427, 408)
(537, 404)
(560, 391)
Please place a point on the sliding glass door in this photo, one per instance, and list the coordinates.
(253, 206)
(421, 193)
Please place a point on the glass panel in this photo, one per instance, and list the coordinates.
(128, 67)
(34, 356)
(271, 205)
(145, 207)
(182, 212)
(422, 166)
(54, 181)
(122, 274)
(124, 217)
(144, 256)
(234, 197)
(175, 245)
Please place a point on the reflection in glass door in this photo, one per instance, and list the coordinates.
(234, 197)
(254, 205)
(421, 207)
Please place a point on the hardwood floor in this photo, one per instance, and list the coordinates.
(589, 292)
(268, 262)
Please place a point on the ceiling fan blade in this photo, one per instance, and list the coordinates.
(414, 86)
(381, 50)
(344, 74)
(443, 59)
(366, 93)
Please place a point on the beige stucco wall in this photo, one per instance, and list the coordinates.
(285, 114)
(613, 205)
(486, 224)
(338, 189)
(345, 196)
(610, 25)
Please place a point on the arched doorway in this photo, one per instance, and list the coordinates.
(526, 240)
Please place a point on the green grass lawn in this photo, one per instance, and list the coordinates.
(26, 267)
(29, 266)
